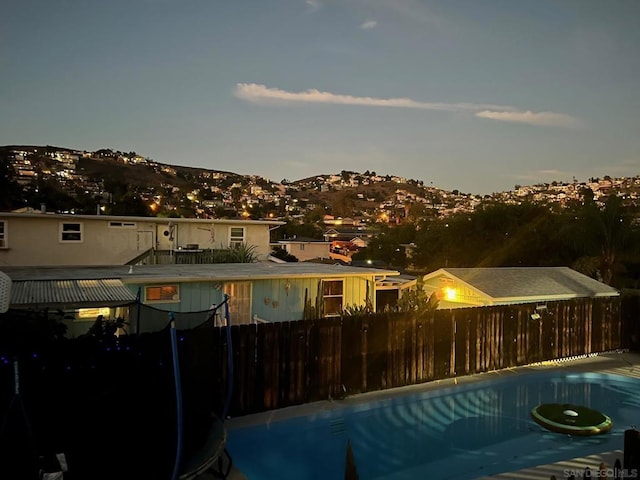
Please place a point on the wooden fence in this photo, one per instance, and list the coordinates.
(281, 364)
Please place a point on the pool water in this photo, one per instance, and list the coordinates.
(461, 432)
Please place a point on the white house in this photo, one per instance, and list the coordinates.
(54, 239)
(305, 248)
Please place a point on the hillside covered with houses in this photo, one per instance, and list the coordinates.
(117, 182)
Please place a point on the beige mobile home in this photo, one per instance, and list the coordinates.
(53, 239)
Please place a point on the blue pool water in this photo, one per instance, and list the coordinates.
(461, 432)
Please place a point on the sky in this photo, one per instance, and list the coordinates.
(473, 95)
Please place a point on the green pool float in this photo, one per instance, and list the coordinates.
(571, 419)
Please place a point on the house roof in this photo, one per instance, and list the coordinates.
(348, 231)
(303, 240)
(70, 293)
(397, 282)
(510, 283)
(192, 273)
(121, 218)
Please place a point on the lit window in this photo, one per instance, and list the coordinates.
(162, 293)
(332, 297)
(4, 242)
(236, 236)
(239, 302)
(92, 313)
(70, 232)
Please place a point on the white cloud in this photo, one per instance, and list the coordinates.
(253, 92)
(369, 24)
(546, 119)
(257, 93)
(313, 5)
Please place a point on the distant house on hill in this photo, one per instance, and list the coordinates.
(304, 248)
(474, 287)
(340, 234)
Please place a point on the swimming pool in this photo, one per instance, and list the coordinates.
(461, 432)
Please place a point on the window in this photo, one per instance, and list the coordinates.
(92, 313)
(332, 297)
(3, 234)
(70, 232)
(236, 236)
(122, 225)
(239, 302)
(162, 293)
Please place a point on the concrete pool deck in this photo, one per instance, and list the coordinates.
(618, 363)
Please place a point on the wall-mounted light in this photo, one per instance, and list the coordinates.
(449, 293)
(287, 286)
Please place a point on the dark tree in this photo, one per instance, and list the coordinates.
(11, 194)
(129, 205)
(604, 233)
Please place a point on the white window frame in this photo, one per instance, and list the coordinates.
(174, 299)
(240, 301)
(325, 296)
(236, 240)
(4, 235)
(129, 225)
(65, 231)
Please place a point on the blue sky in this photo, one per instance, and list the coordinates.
(474, 95)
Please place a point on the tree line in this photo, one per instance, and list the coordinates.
(599, 239)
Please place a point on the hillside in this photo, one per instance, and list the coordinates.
(125, 182)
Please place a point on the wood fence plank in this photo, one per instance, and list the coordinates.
(509, 336)
(461, 329)
(352, 367)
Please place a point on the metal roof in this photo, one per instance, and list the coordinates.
(193, 273)
(70, 293)
(528, 282)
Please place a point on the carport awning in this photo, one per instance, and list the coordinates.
(70, 293)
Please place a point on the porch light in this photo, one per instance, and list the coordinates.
(449, 293)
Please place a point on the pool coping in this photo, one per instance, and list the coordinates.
(618, 363)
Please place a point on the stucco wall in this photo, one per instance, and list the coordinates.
(307, 251)
(35, 240)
